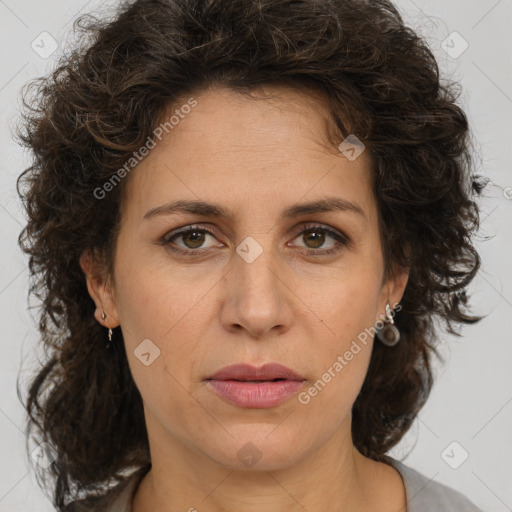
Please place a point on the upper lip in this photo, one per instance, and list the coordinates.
(269, 371)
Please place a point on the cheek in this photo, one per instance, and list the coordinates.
(163, 322)
(329, 398)
(347, 305)
(347, 312)
(150, 302)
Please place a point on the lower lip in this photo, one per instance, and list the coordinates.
(257, 395)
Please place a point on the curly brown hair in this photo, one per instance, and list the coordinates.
(107, 95)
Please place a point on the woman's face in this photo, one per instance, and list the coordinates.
(251, 287)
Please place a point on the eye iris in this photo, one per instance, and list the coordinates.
(198, 239)
(318, 240)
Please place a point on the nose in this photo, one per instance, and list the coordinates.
(257, 296)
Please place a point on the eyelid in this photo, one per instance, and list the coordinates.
(185, 229)
(307, 226)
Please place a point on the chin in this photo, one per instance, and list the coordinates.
(259, 452)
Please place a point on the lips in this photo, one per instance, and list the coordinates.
(249, 373)
(244, 385)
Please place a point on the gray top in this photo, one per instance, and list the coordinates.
(422, 494)
(425, 495)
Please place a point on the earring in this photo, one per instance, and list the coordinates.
(103, 317)
(388, 334)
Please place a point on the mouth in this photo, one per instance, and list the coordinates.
(244, 385)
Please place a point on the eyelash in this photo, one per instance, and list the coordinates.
(341, 239)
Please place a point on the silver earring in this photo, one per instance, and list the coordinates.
(388, 334)
(103, 317)
(109, 344)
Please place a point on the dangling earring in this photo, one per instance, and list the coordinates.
(388, 334)
(103, 317)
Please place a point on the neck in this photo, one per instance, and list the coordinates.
(335, 477)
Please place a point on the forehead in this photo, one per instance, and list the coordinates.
(227, 119)
(271, 147)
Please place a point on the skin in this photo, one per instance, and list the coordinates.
(255, 157)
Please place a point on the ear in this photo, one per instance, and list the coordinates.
(393, 289)
(100, 289)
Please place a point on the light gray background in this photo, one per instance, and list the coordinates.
(471, 402)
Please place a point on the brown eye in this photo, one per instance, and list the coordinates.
(192, 240)
(315, 237)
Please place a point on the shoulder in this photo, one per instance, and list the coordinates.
(424, 494)
(118, 499)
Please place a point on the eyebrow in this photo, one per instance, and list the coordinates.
(196, 207)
